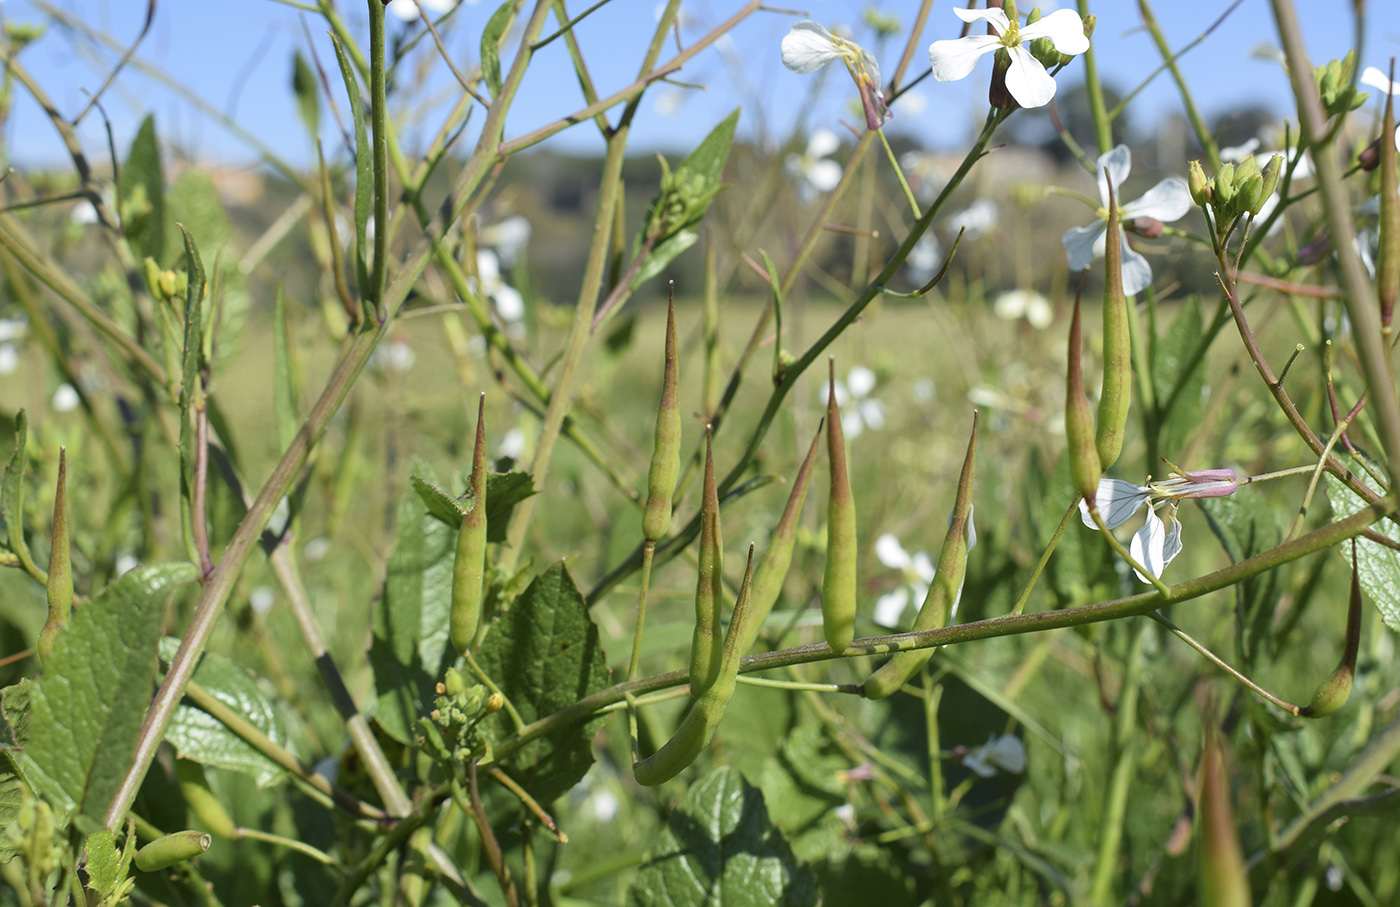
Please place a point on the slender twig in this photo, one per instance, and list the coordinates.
(126, 58)
(1220, 663)
(530, 803)
(1045, 557)
(488, 840)
(198, 516)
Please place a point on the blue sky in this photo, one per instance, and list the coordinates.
(237, 55)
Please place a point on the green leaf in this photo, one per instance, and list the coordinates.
(802, 788)
(190, 393)
(304, 87)
(410, 646)
(198, 736)
(104, 863)
(364, 175)
(664, 253)
(1246, 526)
(11, 799)
(503, 491)
(441, 505)
(142, 188)
(719, 849)
(12, 491)
(1179, 378)
(284, 397)
(1377, 566)
(194, 202)
(709, 157)
(544, 654)
(491, 38)
(86, 709)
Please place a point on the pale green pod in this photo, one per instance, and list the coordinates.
(701, 721)
(705, 648)
(777, 558)
(839, 581)
(943, 593)
(60, 581)
(1222, 878)
(165, 852)
(1084, 463)
(469, 569)
(203, 805)
(1117, 393)
(1334, 692)
(1388, 259)
(666, 451)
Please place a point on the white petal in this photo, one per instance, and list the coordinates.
(1008, 752)
(822, 143)
(1167, 201)
(1137, 273)
(1171, 545)
(1146, 547)
(508, 237)
(1377, 79)
(1039, 313)
(872, 413)
(1119, 164)
(1081, 244)
(851, 424)
(404, 10)
(824, 175)
(1236, 153)
(952, 60)
(9, 358)
(971, 528)
(1117, 501)
(888, 608)
(860, 381)
(891, 553)
(1063, 27)
(978, 760)
(808, 47)
(509, 303)
(1027, 79)
(65, 399)
(1011, 304)
(488, 267)
(994, 16)
(923, 568)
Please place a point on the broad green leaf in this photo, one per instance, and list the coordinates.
(544, 654)
(194, 202)
(503, 491)
(710, 155)
(198, 736)
(143, 193)
(12, 490)
(1179, 378)
(719, 849)
(1377, 566)
(802, 788)
(86, 709)
(409, 647)
(284, 398)
(491, 38)
(308, 102)
(441, 505)
(364, 173)
(14, 708)
(869, 874)
(1246, 525)
(11, 799)
(104, 862)
(664, 253)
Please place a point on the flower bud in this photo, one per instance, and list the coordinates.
(998, 96)
(705, 647)
(1251, 195)
(1370, 157)
(1147, 227)
(1201, 192)
(1084, 463)
(1333, 692)
(171, 849)
(1272, 172)
(1245, 169)
(494, 703)
(1224, 186)
(666, 451)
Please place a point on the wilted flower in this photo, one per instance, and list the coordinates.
(859, 410)
(818, 172)
(1006, 753)
(808, 47)
(1029, 304)
(916, 571)
(1157, 542)
(1169, 200)
(1026, 77)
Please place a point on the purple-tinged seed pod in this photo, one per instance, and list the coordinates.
(1084, 463)
(666, 451)
(1388, 259)
(1117, 393)
(60, 585)
(705, 648)
(839, 581)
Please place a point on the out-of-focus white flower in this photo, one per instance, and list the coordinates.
(261, 599)
(668, 102)
(808, 47)
(978, 218)
(9, 358)
(916, 573)
(316, 550)
(1237, 153)
(1167, 201)
(1027, 304)
(13, 329)
(912, 103)
(125, 564)
(1026, 78)
(845, 814)
(510, 305)
(1376, 79)
(512, 444)
(407, 10)
(927, 173)
(1005, 753)
(923, 390)
(604, 805)
(84, 213)
(508, 237)
(395, 356)
(859, 410)
(65, 399)
(924, 260)
(818, 172)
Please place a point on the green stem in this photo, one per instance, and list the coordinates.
(378, 116)
(1117, 546)
(1045, 557)
(1224, 665)
(382, 849)
(1116, 805)
(1103, 133)
(899, 173)
(1203, 133)
(320, 856)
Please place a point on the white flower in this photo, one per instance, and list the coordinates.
(808, 47)
(1028, 303)
(1236, 153)
(1006, 752)
(512, 444)
(916, 574)
(316, 550)
(668, 102)
(65, 399)
(508, 237)
(1157, 542)
(261, 599)
(859, 410)
(510, 305)
(1026, 77)
(12, 329)
(977, 219)
(1376, 79)
(395, 356)
(923, 390)
(1167, 201)
(924, 260)
(819, 173)
(84, 213)
(9, 358)
(407, 10)
(125, 564)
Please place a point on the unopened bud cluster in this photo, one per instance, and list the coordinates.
(1334, 85)
(684, 197)
(452, 731)
(1237, 190)
(165, 285)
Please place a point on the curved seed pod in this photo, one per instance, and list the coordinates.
(705, 649)
(1333, 692)
(60, 584)
(1117, 392)
(1222, 879)
(773, 569)
(839, 581)
(1084, 463)
(697, 729)
(469, 569)
(666, 451)
(171, 849)
(201, 800)
(1388, 262)
(945, 590)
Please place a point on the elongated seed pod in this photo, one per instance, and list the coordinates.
(1117, 392)
(777, 558)
(203, 805)
(839, 581)
(1334, 692)
(943, 593)
(469, 569)
(666, 451)
(1388, 262)
(60, 584)
(705, 648)
(1079, 422)
(698, 727)
(1222, 879)
(165, 852)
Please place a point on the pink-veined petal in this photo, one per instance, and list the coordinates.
(1171, 545)
(808, 47)
(952, 60)
(1083, 244)
(996, 17)
(1063, 27)
(1117, 501)
(1146, 547)
(1027, 79)
(824, 175)
(1119, 164)
(1137, 273)
(1167, 201)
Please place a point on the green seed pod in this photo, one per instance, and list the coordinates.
(944, 592)
(1333, 692)
(1388, 261)
(1271, 174)
(666, 451)
(839, 582)
(202, 803)
(705, 649)
(1117, 392)
(773, 570)
(1250, 195)
(1222, 879)
(469, 569)
(171, 849)
(698, 727)
(1084, 463)
(60, 584)
(1201, 192)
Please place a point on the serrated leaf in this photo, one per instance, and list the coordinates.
(143, 193)
(802, 788)
(200, 737)
(1377, 566)
(441, 505)
(410, 645)
(194, 202)
(284, 397)
(364, 174)
(12, 490)
(308, 102)
(1178, 377)
(11, 799)
(103, 862)
(86, 709)
(544, 653)
(491, 38)
(504, 490)
(719, 849)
